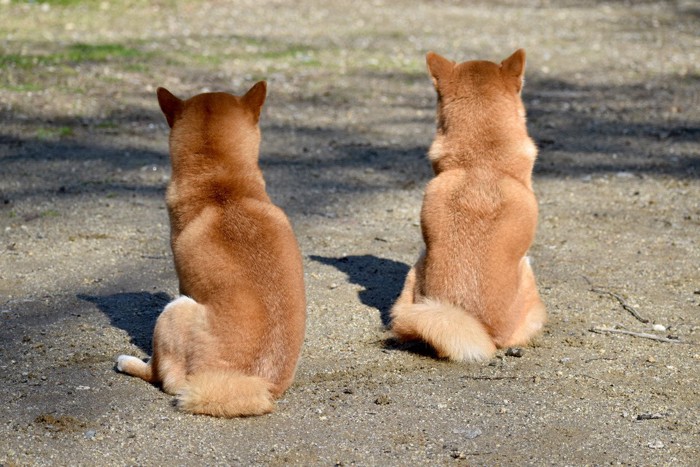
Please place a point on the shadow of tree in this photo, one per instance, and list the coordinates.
(134, 312)
(381, 278)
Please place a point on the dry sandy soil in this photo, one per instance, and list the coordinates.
(612, 94)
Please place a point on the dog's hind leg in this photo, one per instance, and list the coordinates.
(534, 314)
(173, 342)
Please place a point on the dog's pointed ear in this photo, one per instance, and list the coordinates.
(255, 98)
(169, 104)
(513, 67)
(439, 67)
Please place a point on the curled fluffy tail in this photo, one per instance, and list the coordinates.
(451, 331)
(226, 394)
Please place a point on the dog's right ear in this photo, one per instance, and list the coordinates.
(169, 104)
(439, 67)
(255, 98)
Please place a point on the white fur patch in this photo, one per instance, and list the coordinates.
(123, 359)
(180, 300)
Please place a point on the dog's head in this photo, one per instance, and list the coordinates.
(470, 91)
(213, 129)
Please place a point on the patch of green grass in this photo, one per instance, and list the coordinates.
(50, 213)
(54, 133)
(20, 61)
(57, 2)
(73, 54)
(107, 124)
(27, 87)
(99, 53)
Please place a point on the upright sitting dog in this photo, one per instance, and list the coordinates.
(230, 344)
(473, 290)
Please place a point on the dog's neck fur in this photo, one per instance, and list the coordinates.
(223, 185)
(514, 157)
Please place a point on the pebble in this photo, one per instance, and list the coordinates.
(515, 352)
(469, 433)
(382, 400)
(656, 444)
(659, 327)
(649, 416)
(90, 434)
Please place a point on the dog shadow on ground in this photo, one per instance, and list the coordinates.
(134, 312)
(381, 278)
(383, 281)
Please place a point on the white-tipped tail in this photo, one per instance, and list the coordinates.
(226, 394)
(451, 331)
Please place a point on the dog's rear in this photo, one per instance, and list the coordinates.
(230, 347)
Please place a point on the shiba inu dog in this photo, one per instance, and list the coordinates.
(229, 345)
(473, 290)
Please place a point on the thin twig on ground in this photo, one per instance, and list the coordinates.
(644, 335)
(626, 306)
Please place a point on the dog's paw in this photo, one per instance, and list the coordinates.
(123, 361)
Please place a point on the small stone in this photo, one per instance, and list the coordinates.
(468, 433)
(90, 434)
(657, 444)
(333, 286)
(382, 400)
(515, 352)
(651, 359)
(649, 416)
(659, 327)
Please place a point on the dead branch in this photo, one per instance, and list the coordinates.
(600, 330)
(626, 306)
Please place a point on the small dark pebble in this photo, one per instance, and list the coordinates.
(649, 416)
(382, 400)
(515, 352)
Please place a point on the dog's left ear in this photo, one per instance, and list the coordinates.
(513, 68)
(169, 104)
(255, 98)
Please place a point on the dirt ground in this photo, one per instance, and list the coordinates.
(612, 95)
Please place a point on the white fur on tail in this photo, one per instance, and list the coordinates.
(451, 331)
(226, 394)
